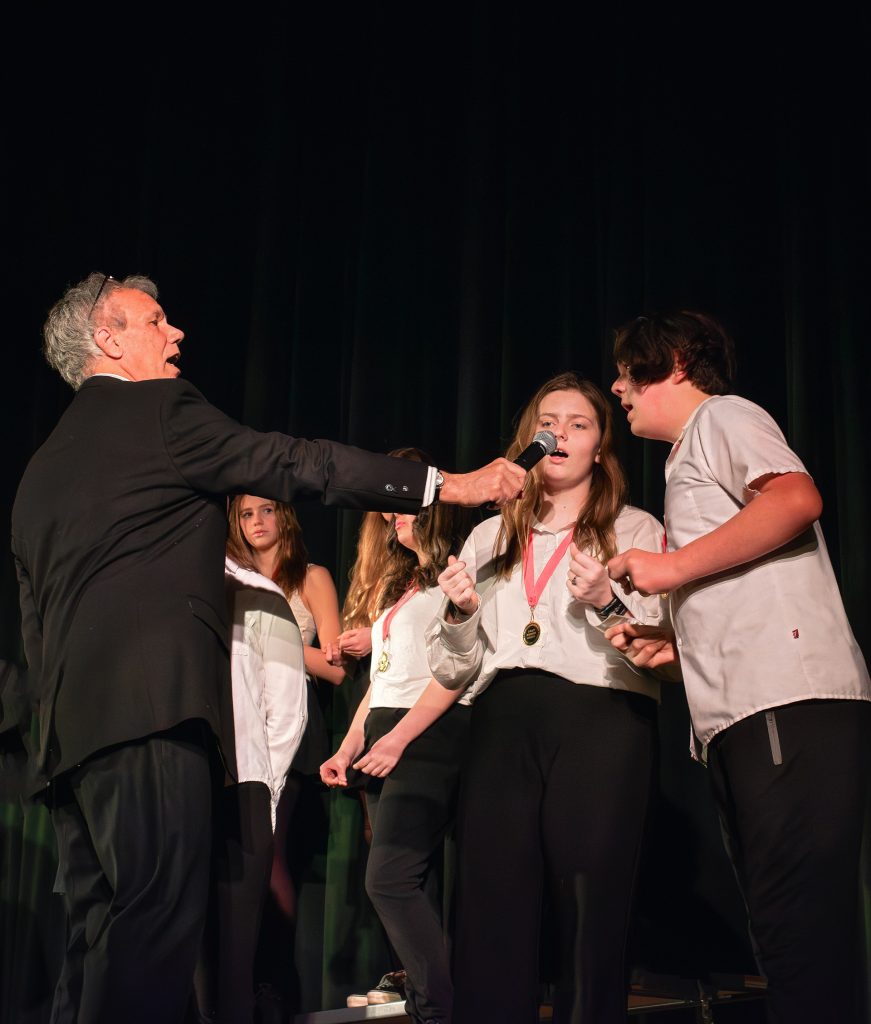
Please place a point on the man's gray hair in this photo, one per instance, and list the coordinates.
(69, 345)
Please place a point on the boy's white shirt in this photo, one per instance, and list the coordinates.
(761, 635)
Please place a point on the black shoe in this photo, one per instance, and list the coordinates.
(391, 989)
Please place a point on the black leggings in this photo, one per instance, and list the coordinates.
(410, 811)
(555, 794)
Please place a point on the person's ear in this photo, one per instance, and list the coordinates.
(107, 342)
(679, 370)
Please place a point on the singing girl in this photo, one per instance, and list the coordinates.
(563, 731)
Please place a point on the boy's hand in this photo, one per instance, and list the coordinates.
(644, 571)
(644, 646)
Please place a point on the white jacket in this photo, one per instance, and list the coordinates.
(268, 673)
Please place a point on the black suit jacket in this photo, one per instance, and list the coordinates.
(118, 531)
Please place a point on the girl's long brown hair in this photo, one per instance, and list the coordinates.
(292, 560)
(594, 531)
(440, 531)
(375, 563)
(363, 601)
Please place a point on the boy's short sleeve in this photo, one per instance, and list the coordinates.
(773, 630)
(742, 443)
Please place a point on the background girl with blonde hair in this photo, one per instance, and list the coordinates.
(409, 735)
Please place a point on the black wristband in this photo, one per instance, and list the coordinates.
(614, 607)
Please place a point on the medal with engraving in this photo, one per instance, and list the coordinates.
(384, 659)
(531, 633)
(535, 587)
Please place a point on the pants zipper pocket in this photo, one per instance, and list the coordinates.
(773, 738)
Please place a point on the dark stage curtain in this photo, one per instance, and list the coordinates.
(387, 227)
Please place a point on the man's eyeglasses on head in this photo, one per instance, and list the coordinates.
(106, 277)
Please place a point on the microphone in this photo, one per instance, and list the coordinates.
(544, 443)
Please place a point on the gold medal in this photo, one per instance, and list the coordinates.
(384, 660)
(535, 587)
(531, 633)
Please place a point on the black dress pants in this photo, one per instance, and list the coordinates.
(241, 865)
(133, 834)
(555, 794)
(794, 831)
(410, 811)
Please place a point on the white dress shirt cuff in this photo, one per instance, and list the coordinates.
(453, 650)
(429, 490)
(459, 637)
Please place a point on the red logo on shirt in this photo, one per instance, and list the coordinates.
(795, 634)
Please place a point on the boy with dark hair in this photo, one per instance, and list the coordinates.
(777, 687)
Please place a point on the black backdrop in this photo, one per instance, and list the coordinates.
(387, 225)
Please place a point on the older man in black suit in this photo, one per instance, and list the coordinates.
(118, 532)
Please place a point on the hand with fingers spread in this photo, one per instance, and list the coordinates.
(588, 579)
(459, 586)
(383, 756)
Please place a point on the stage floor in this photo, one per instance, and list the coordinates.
(653, 994)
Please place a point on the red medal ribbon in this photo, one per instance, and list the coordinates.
(535, 587)
(385, 626)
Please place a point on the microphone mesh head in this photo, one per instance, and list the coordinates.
(547, 440)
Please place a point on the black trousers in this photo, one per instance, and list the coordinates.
(555, 794)
(410, 811)
(794, 831)
(133, 834)
(241, 864)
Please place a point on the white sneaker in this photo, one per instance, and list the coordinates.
(374, 997)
